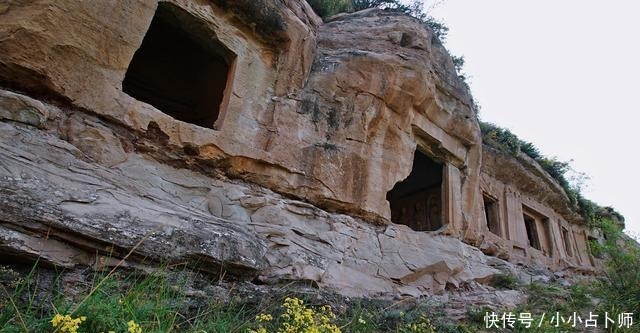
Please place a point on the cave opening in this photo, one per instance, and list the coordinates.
(538, 230)
(566, 241)
(177, 72)
(492, 214)
(532, 231)
(417, 200)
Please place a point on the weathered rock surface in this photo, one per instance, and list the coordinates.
(23, 109)
(55, 205)
(526, 174)
(319, 121)
(354, 96)
(60, 205)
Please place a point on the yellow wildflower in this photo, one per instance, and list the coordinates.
(67, 324)
(264, 317)
(423, 325)
(297, 318)
(133, 327)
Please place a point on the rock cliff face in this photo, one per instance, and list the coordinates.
(64, 207)
(322, 135)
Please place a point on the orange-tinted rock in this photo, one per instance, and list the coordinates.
(318, 122)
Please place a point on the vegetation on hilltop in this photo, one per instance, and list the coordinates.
(505, 141)
(327, 8)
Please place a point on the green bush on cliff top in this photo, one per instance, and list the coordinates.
(505, 141)
(326, 8)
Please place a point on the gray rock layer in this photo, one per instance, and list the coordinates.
(57, 203)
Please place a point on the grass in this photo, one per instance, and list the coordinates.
(174, 299)
(158, 302)
(168, 300)
(504, 281)
(164, 301)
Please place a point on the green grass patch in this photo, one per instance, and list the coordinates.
(128, 301)
(504, 281)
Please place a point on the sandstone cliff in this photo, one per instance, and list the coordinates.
(317, 123)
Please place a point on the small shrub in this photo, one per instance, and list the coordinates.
(476, 315)
(505, 281)
(546, 297)
(365, 4)
(421, 325)
(597, 250)
(326, 8)
(458, 63)
(580, 296)
(363, 320)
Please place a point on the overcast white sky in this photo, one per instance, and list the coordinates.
(562, 74)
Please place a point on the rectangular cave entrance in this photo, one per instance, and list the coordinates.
(183, 73)
(538, 232)
(492, 214)
(566, 242)
(417, 200)
(532, 231)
